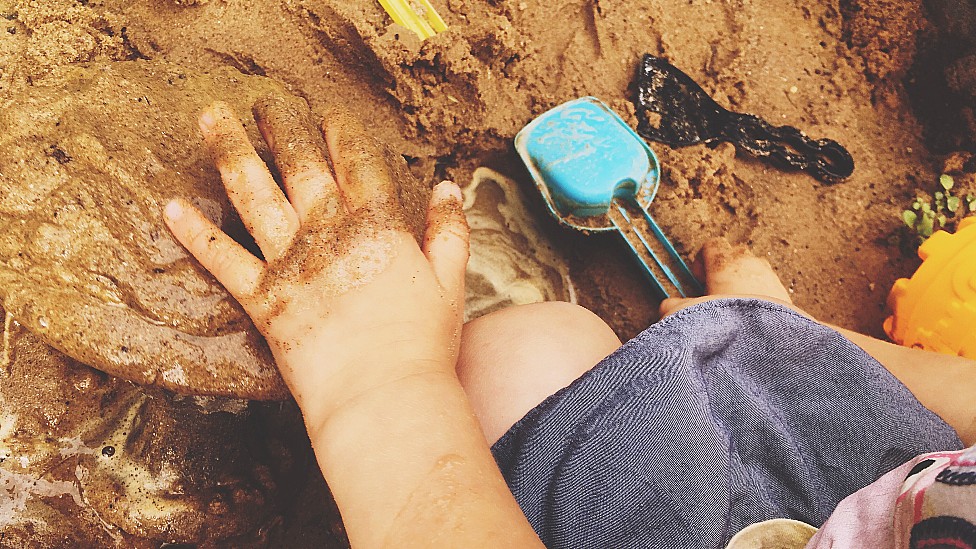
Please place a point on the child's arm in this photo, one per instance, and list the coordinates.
(364, 326)
(942, 383)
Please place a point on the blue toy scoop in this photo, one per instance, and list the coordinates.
(596, 174)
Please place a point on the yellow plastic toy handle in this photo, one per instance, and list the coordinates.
(416, 15)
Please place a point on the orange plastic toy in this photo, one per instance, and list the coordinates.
(936, 309)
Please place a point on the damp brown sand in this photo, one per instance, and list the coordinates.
(88, 460)
(90, 155)
(454, 103)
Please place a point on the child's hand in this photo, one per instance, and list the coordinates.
(363, 323)
(346, 298)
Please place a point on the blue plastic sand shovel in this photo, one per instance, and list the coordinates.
(597, 174)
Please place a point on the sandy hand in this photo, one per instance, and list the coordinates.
(345, 297)
(732, 271)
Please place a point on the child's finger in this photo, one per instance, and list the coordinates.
(227, 261)
(446, 238)
(362, 173)
(299, 150)
(262, 206)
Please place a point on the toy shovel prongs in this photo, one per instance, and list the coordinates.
(596, 174)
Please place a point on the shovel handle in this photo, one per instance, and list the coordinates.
(668, 272)
(825, 159)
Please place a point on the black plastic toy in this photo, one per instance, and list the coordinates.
(673, 109)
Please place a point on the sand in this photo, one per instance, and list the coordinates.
(88, 459)
(84, 259)
(454, 102)
(888, 80)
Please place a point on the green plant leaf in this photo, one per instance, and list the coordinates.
(926, 208)
(941, 219)
(946, 181)
(939, 195)
(952, 203)
(909, 217)
(926, 226)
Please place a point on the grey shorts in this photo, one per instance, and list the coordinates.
(724, 414)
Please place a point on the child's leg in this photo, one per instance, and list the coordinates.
(512, 359)
(942, 383)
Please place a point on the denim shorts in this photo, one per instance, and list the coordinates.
(724, 414)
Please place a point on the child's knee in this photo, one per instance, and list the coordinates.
(539, 330)
(514, 358)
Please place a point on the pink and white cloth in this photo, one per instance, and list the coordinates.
(927, 503)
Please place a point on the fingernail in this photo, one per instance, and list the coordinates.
(207, 120)
(174, 210)
(446, 190)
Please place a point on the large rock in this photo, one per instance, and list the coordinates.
(88, 159)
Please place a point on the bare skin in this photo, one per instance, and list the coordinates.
(365, 328)
(512, 359)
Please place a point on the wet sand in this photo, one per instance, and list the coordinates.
(452, 105)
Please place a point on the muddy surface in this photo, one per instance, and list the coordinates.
(888, 79)
(87, 459)
(454, 102)
(90, 156)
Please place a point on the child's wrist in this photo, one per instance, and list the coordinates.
(369, 398)
(323, 383)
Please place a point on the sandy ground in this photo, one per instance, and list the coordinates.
(453, 104)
